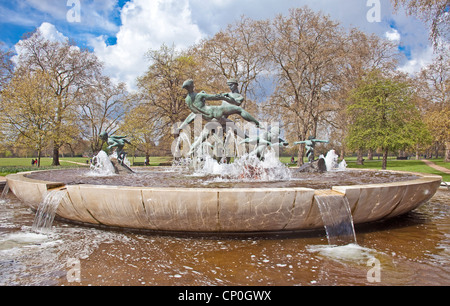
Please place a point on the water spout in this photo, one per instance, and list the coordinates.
(102, 165)
(47, 211)
(331, 160)
(5, 191)
(247, 168)
(337, 219)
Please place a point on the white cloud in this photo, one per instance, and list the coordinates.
(94, 14)
(56, 8)
(148, 24)
(49, 32)
(393, 35)
(418, 61)
(145, 25)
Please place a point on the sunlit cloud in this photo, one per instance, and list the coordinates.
(120, 32)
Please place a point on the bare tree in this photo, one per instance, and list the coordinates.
(6, 65)
(102, 108)
(435, 97)
(236, 53)
(27, 110)
(143, 133)
(306, 50)
(70, 70)
(161, 87)
(435, 13)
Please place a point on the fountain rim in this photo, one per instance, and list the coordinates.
(223, 210)
(55, 185)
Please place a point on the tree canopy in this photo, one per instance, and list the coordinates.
(302, 70)
(383, 115)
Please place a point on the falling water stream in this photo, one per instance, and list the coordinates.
(340, 231)
(337, 219)
(46, 211)
(4, 192)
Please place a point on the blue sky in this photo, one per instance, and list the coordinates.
(121, 31)
(97, 18)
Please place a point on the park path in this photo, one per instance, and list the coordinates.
(75, 163)
(434, 166)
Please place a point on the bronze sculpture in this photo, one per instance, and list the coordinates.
(310, 145)
(117, 142)
(216, 116)
(269, 138)
(197, 104)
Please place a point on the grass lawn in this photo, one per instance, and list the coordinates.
(394, 164)
(14, 165)
(154, 161)
(401, 165)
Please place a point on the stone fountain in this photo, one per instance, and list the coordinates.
(262, 206)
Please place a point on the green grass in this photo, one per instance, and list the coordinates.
(399, 165)
(154, 161)
(440, 162)
(393, 164)
(15, 165)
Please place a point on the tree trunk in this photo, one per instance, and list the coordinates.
(39, 158)
(447, 152)
(385, 156)
(370, 154)
(56, 156)
(301, 152)
(360, 159)
(342, 157)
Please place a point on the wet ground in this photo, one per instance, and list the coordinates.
(413, 249)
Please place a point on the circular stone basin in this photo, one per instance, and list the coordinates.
(167, 200)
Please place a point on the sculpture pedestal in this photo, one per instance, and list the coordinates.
(119, 168)
(317, 166)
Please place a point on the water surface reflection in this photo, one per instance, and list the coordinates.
(412, 250)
